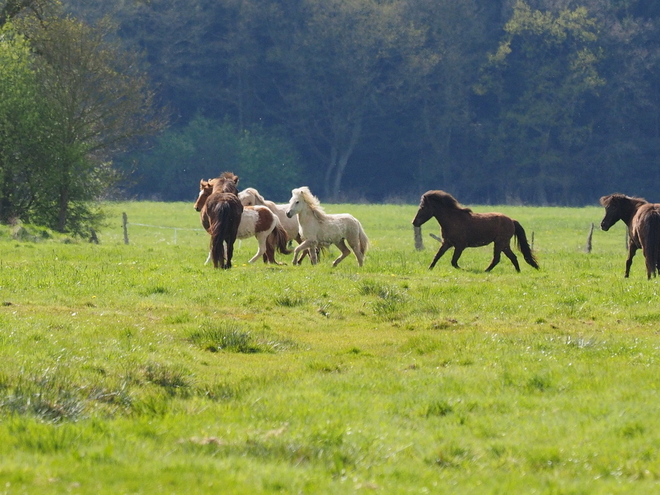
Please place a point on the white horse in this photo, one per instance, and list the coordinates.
(251, 197)
(257, 221)
(319, 228)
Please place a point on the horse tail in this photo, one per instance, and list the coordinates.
(523, 245)
(220, 224)
(651, 243)
(364, 240)
(280, 240)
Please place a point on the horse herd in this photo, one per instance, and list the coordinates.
(228, 214)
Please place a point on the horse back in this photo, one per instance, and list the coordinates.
(478, 229)
(645, 224)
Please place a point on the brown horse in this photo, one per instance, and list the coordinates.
(221, 215)
(643, 221)
(462, 228)
(257, 221)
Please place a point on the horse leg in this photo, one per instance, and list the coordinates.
(355, 246)
(230, 253)
(495, 260)
(344, 252)
(511, 255)
(632, 249)
(443, 249)
(301, 248)
(262, 248)
(457, 254)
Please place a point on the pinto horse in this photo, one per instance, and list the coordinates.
(251, 197)
(462, 228)
(643, 221)
(319, 229)
(256, 221)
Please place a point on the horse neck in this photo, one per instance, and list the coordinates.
(445, 215)
(309, 212)
(629, 212)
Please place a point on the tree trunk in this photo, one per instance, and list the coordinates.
(339, 161)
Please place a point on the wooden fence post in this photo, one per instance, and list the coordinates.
(125, 223)
(419, 244)
(589, 238)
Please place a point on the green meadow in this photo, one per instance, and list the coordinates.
(137, 369)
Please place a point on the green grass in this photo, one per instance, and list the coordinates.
(137, 369)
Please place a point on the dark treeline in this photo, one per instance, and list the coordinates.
(496, 101)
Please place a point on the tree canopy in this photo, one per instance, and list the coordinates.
(535, 101)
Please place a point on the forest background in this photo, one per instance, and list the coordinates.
(544, 102)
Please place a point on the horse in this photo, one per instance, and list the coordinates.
(318, 228)
(221, 216)
(257, 221)
(462, 228)
(643, 221)
(251, 197)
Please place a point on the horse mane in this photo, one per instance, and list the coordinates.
(226, 182)
(445, 200)
(312, 201)
(610, 199)
(255, 193)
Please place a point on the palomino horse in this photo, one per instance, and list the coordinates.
(643, 221)
(462, 228)
(256, 221)
(318, 228)
(221, 216)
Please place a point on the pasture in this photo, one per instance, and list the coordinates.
(137, 369)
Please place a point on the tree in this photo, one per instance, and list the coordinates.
(262, 158)
(97, 100)
(333, 63)
(22, 129)
(542, 74)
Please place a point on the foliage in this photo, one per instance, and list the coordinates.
(205, 148)
(71, 97)
(542, 74)
(22, 129)
(393, 378)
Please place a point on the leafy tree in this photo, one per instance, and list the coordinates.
(22, 130)
(205, 148)
(334, 62)
(543, 72)
(97, 101)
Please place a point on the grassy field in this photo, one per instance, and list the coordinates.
(137, 369)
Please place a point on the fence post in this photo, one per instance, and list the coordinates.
(125, 224)
(589, 238)
(419, 244)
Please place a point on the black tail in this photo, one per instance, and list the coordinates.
(651, 245)
(523, 245)
(220, 224)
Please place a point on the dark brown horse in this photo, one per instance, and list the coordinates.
(222, 214)
(643, 221)
(462, 228)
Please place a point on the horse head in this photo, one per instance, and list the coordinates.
(227, 183)
(205, 190)
(424, 213)
(250, 197)
(619, 207)
(301, 197)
